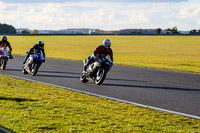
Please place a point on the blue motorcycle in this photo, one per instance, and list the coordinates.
(36, 58)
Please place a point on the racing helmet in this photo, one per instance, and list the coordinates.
(107, 43)
(41, 43)
(4, 39)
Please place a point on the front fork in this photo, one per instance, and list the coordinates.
(3, 58)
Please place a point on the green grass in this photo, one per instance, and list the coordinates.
(32, 107)
(180, 53)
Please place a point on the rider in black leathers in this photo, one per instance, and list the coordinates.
(38, 46)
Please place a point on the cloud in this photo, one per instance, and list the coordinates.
(38, 1)
(109, 16)
(63, 1)
(159, 1)
(190, 12)
(149, 1)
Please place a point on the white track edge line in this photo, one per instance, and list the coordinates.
(111, 98)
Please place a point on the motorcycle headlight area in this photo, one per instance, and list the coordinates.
(108, 63)
(35, 56)
(97, 64)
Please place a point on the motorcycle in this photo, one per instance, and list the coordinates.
(96, 71)
(38, 59)
(4, 55)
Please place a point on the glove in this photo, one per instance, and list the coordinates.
(96, 58)
(43, 61)
(111, 63)
(10, 57)
(27, 52)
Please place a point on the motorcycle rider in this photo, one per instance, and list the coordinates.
(101, 50)
(39, 46)
(5, 43)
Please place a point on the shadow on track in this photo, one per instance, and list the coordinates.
(17, 70)
(150, 87)
(58, 76)
(59, 72)
(128, 80)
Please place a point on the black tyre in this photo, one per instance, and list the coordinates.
(83, 78)
(35, 67)
(3, 64)
(101, 75)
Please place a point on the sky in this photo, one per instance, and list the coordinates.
(101, 14)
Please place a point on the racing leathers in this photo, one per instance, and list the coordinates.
(100, 52)
(36, 47)
(6, 44)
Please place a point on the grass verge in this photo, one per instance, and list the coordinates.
(33, 107)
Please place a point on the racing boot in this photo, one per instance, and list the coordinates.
(28, 67)
(89, 61)
(85, 65)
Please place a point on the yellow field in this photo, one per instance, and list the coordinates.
(166, 52)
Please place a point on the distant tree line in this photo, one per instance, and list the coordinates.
(7, 29)
(194, 31)
(27, 31)
(173, 30)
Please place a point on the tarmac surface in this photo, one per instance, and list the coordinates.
(171, 90)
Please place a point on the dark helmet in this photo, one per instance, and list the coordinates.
(4, 39)
(41, 43)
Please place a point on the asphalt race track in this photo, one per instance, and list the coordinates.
(171, 90)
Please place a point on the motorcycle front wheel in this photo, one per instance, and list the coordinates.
(101, 75)
(3, 64)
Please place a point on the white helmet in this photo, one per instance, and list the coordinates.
(106, 43)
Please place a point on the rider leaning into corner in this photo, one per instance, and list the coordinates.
(39, 46)
(5, 43)
(101, 51)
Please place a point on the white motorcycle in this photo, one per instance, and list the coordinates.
(96, 71)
